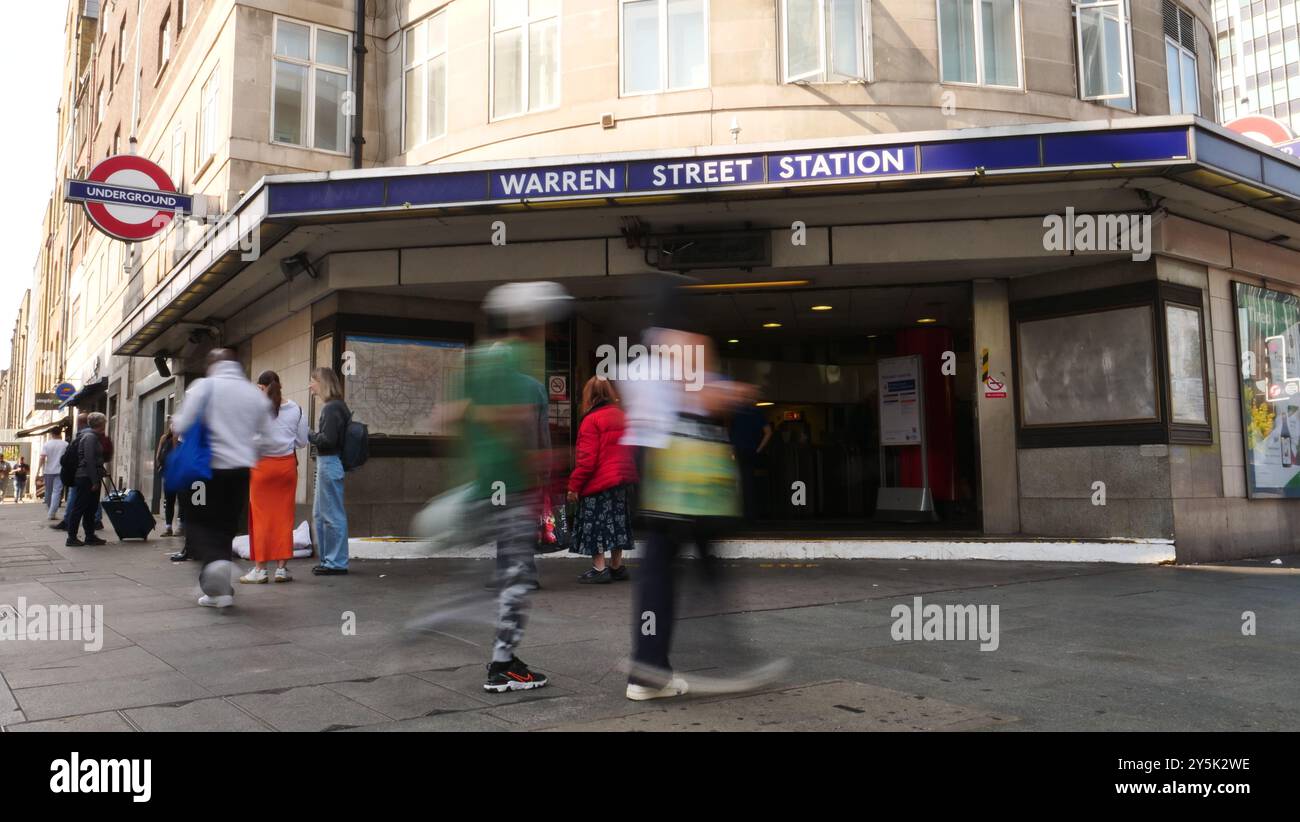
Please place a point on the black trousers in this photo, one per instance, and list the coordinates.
(215, 514)
(655, 614)
(83, 508)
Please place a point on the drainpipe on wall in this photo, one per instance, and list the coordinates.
(359, 85)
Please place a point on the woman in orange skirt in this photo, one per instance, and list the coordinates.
(273, 484)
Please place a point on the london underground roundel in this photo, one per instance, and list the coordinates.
(128, 197)
(1261, 128)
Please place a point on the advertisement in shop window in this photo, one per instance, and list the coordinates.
(1268, 337)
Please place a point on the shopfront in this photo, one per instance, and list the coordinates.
(932, 366)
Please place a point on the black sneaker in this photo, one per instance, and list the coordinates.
(73, 542)
(619, 574)
(96, 541)
(180, 556)
(322, 571)
(60, 526)
(594, 577)
(512, 676)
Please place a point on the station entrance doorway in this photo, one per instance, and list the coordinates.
(809, 450)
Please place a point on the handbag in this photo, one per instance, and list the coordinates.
(191, 460)
(555, 532)
(444, 522)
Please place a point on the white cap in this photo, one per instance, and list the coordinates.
(528, 303)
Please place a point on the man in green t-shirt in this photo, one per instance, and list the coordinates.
(508, 442)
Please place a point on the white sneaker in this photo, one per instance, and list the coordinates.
(675, 687)
(283, 575)
(223, 601)
(257, 576)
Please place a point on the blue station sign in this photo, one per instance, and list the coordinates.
(773, 169)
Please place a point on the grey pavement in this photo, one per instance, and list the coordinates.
(1081, 646)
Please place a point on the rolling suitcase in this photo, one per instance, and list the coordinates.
(128, 513)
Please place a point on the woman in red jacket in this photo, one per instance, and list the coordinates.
(602, 483)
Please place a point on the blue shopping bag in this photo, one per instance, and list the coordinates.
(191, 460)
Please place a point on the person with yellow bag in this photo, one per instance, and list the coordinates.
(690, 492)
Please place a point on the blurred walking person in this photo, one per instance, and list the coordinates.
(273, 485)
(90, 474)
(602, 483)
(235, 415)
(507, 438)
(689, 493)
(328, 513)
(51, 454)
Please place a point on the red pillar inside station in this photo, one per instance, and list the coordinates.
(930, 344)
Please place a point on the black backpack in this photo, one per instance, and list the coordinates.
(355, 449)
(68, 462)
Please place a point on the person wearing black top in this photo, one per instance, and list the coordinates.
(328, 513)
(21, 470)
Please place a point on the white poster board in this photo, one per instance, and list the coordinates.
(900, 400)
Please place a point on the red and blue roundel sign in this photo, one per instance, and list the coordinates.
(1261, 128)
(128, 197)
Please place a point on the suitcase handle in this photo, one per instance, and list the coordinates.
(111, 485)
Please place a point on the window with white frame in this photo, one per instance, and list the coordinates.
(1103, 47)
(979, 42)
(311, 76)
(1180, 60)
(424, 79)
(165, 40)
(525, 56)
(664, 45)
(208, 117)
(825, 41)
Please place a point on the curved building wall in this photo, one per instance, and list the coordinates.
(744, 87)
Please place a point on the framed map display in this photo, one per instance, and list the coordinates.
(393, 383)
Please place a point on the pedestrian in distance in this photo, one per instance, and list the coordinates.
(166, 444)
(51, 454)
(602, 484)
(89, 475)
(21, 472)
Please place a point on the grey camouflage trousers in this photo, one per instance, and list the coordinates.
(513, 527)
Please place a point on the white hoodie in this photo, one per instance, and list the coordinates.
(236, 413)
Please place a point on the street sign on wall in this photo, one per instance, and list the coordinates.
(128, 197)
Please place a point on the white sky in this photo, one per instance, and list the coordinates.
(32, 63)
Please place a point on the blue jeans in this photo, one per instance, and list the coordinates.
(328, 514)
(53, 491)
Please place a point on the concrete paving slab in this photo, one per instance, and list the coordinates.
(199, 715)
(312, 708)
(108, 721)
(70, 699)
(830, 706)
(404, 696)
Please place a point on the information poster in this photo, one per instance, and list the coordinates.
(1268, 327)
(900, 401)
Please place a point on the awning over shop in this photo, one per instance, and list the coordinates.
(88, 392)
(40, 430)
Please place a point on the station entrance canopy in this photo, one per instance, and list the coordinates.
(1189, 151)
